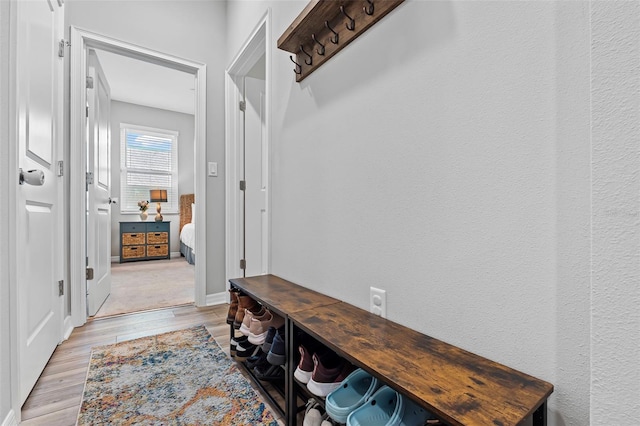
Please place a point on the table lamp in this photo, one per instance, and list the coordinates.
(158, 196)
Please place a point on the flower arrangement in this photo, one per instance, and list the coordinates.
(143, 205)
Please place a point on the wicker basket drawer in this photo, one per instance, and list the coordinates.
(133, 252)
(157, 237)
(130, 238)
(158, 250)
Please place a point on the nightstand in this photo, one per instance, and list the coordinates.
(144, 241)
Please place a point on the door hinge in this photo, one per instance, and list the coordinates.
(86, 111)
(60, 168)
(243, 185)
(243, 106)
(61, 45)
(89, 82)
(89, 180)
(61, 288)
(89, 273)
(243, 264)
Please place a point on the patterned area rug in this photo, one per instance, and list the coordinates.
(180, 378)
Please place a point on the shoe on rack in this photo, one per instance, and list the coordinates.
(246, 351)
(266, 346)
(412, 415)
(329, 370)
(248, 316)
(277, 354)
(269, 372)
(260, 326)
(312, 414)
(234, 342)
(304, 369)
(353, 392)
(244, 302)
(385, 404)
(233, 305)
(260, 358)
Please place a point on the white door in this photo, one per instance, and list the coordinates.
(98, 185)
(39, 239)
(255, 176)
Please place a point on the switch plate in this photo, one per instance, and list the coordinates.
(378, 302)
(213, 169)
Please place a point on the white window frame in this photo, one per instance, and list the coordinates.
(171, 207)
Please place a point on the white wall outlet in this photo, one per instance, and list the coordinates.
(378, 302)
(213, 169)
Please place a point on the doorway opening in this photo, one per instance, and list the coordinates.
(83, 42)
(248, 134)
(151, 117)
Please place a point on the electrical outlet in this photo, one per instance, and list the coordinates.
(378, 302)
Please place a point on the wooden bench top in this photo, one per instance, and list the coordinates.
(460, 387)
(282, 296)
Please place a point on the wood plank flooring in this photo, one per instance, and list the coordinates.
(55, 400)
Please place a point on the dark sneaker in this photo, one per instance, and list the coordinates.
(246, 351)
(328, 372)
(269, 372)
(259, 358)
(234, 342)
(266, 346)
(277, 354)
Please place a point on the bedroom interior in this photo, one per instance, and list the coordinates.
(140, 98)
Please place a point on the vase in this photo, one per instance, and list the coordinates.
(143, 216)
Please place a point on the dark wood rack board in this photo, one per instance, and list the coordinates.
(311, 21)
(459, 387)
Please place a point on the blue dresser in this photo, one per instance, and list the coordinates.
(144, 241)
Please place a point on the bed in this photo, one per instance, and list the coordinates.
(188, 228)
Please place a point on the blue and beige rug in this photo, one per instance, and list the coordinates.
(177, 378)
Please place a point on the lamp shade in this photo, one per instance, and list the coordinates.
(158, 195)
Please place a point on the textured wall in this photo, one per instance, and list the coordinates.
(123, 112)
(444, 156)
(192, 30)
(615, 292)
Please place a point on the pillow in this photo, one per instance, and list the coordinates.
(193, 213)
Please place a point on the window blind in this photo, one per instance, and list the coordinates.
(149, 160)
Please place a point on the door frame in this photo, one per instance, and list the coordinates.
(256, 45)
(81, 40)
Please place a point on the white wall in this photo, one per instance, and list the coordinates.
(615, 289)
(193, 30)
(445, 156)
(124, 112)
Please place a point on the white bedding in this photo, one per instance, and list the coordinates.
(188, 235)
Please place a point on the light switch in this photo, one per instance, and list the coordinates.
(213, 168)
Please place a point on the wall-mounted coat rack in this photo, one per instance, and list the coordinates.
(325, 27)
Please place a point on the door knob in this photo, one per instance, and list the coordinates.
(32, 177)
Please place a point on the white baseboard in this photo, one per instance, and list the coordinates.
(115, 259)
(216, 298)
(175, 254)
(67, 328)
(10, 420)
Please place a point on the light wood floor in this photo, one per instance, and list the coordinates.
(56, 398)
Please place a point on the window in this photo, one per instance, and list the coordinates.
(148, 160)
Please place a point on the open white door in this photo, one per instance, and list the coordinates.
(98, 185)
(39, 242)
(255, 172)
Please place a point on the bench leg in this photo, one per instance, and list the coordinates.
(540, 415)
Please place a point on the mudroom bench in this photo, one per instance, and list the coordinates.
(459, 387)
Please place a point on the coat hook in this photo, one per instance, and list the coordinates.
(333, 39)
(310, 61)
(321, 50)
(351, 25)
(298, 68)
(368, 9)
